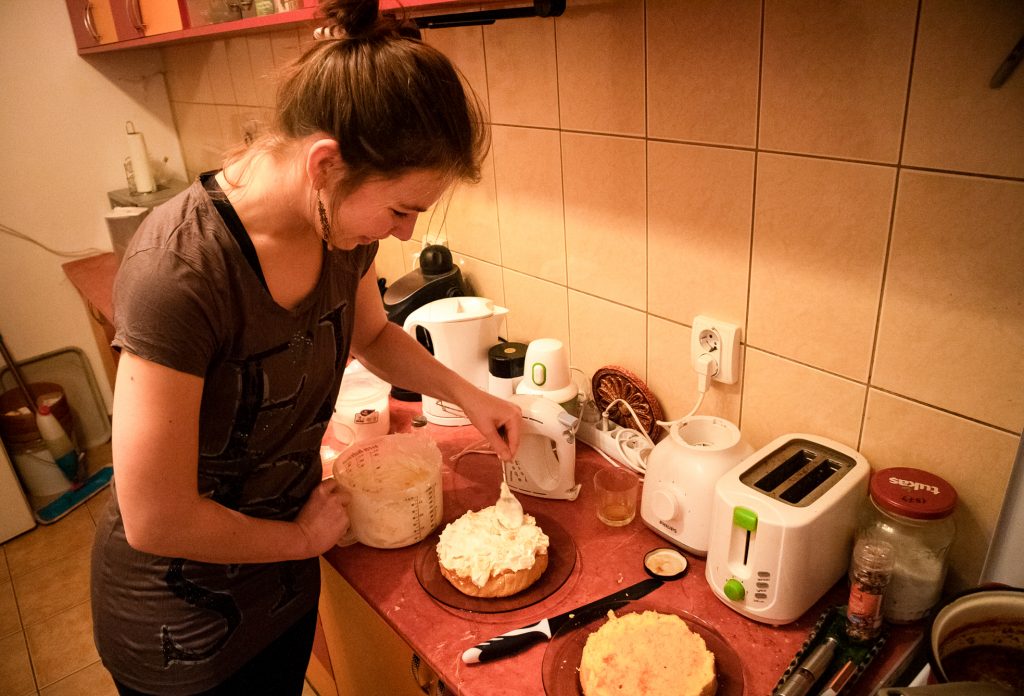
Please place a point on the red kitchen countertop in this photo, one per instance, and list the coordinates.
(607, 559)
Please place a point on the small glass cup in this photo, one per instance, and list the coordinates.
(616, 495)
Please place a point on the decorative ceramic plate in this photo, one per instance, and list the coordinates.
(561, 668)
(561, 561)
(613, 382)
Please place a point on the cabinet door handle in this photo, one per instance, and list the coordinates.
(90, 23)
(135, 15)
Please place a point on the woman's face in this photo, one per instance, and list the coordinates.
(380, 208)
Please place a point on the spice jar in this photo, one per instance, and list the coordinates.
(911, 510)
(870, 572)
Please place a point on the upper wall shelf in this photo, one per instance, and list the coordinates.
(115, 25)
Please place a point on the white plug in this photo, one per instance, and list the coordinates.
(707, 368)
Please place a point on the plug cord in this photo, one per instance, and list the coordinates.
(707, 367)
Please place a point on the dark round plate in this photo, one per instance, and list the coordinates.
(561, 668)
(561, 561)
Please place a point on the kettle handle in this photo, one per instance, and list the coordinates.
(410, 325)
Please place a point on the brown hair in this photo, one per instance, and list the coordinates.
(392, 102)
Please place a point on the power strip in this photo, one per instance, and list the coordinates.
(606, 441)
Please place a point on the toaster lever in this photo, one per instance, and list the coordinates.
(745, 519)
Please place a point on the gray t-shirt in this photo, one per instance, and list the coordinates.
(185, 297)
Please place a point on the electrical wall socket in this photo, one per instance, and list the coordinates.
(722, 341)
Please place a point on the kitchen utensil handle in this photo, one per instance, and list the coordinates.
(508, 643)
(18, 377)
(960, 688)
(1007, 67)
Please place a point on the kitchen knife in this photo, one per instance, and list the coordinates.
(521, 638)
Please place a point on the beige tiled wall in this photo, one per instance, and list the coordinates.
(836, 178)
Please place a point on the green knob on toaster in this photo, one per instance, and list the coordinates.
(734, 590)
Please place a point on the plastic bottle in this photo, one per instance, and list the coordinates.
(57, 442)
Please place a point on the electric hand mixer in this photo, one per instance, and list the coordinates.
(545, 464)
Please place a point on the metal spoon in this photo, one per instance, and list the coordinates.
(508, 508)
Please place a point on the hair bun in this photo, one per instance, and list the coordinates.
(359, 19)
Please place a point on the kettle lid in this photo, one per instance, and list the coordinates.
(452, 309)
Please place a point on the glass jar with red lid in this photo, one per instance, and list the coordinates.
(912, 510)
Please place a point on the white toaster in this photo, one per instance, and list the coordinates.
(782, 526)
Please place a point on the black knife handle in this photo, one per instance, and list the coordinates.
(508, 643)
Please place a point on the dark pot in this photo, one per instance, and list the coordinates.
(976, 646)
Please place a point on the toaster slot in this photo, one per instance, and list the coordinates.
(807, 485)
(777, 476)
(798, 472)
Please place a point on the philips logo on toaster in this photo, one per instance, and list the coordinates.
(914, 485)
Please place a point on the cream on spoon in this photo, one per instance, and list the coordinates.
(508, 508)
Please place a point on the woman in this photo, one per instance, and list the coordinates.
(236, 309)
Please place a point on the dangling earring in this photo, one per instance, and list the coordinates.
(325, 224)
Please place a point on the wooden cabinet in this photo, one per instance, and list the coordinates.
(114, 25)
(136, 19)
(104, 24)
(92, 22)
(367, 657)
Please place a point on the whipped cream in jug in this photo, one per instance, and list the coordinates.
(395, 484)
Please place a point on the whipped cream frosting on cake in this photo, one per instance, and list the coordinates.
(478, 547)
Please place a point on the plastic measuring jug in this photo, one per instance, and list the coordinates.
(395, 484)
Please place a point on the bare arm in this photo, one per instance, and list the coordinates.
(156, 453)
(397, 357)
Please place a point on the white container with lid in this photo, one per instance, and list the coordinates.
(546, 373)
(912, 510)
(361, 411)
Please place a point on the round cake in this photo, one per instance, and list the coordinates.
(482, 557)
(647, 654)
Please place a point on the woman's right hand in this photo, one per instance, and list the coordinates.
(324, 519)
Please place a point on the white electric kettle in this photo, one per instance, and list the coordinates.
(460, 331)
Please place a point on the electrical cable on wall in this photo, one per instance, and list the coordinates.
(81, 253)
(441, 206)
(707, 368)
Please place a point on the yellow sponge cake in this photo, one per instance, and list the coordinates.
(647, 654)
